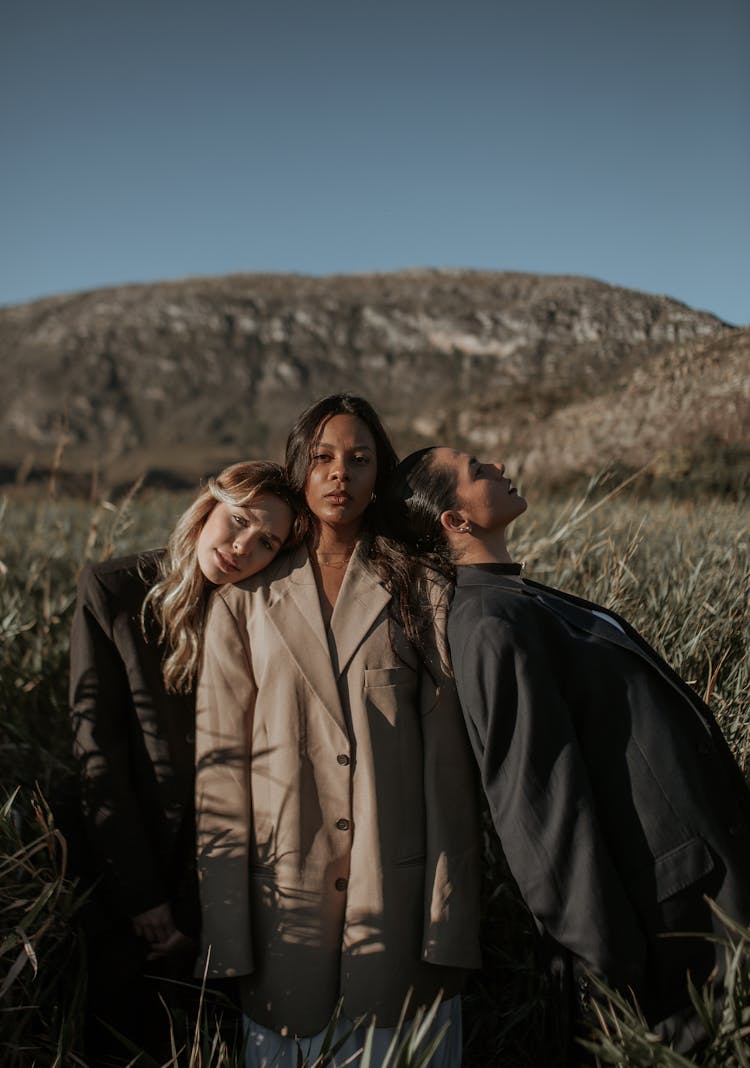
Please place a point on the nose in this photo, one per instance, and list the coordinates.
(340, 471)
(243, 542)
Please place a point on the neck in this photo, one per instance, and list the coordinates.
(335, 540)
(492, 551)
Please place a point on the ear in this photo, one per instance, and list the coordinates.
(453, 522)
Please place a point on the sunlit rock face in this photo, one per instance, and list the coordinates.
(556, 374)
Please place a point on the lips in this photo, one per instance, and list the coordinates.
(226, 563)
(338, 497)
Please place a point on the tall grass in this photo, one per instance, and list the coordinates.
(42, 980)
(678, 570)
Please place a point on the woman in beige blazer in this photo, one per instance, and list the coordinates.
(337, 835)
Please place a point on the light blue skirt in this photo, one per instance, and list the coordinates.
(268, 1049)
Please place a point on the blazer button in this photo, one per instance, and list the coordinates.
(340, 884)
(342, 759)
(343, 825)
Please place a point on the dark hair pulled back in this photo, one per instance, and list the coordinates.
(416, 495)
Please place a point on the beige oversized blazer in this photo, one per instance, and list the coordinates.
(337, 830)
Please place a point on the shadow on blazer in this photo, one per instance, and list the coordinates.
(337, 830)
(134, 744)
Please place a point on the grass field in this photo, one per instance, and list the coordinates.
(678, 570)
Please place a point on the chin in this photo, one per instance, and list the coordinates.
(212, 574)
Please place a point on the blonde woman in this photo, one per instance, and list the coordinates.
(135, 647)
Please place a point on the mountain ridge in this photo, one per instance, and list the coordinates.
(185, 375)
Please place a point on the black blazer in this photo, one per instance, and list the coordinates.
(616, 798)
(133, 741)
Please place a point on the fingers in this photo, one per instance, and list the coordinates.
(174, 943)
(156, 925)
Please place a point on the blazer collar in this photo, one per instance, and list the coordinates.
(293, 609)
(361, 599)
(575, 610)
(480, 576)
(580, 613)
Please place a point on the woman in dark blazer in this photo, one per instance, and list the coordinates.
(134, 650)
(617, 801)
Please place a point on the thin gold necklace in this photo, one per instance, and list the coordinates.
(338, 560)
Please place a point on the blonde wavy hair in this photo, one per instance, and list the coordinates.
(178, 600)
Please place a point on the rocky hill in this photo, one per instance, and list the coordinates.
(558, 374)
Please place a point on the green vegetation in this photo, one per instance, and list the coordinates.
(678, 569)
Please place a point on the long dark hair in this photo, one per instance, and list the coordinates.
(414, 498)
(390, 558)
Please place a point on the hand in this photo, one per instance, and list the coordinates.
(156, 926)
(177, 943)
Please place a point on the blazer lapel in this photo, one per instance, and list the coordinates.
(360, 601)
(581, 614)
(584, 618)
(294, 612)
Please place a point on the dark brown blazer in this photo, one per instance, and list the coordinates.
(134, 743)
(616, 799)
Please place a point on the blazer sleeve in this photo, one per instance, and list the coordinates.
(103, 721)
(452, 854)
(534, 776)
(224, 712)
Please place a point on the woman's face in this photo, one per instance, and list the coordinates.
(237, 541)
(342, 472)
(484, 495)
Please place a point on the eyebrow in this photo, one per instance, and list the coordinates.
(264, 533)
(352, 448)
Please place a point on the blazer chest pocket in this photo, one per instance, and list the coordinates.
(396, 740)
(682, 867)
(673, 872)
(387, 689)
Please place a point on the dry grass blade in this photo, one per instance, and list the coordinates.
(41, 990)
(18, 964)
(579, 514)
(622, 1036)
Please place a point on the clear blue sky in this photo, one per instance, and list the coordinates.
(148, 140)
